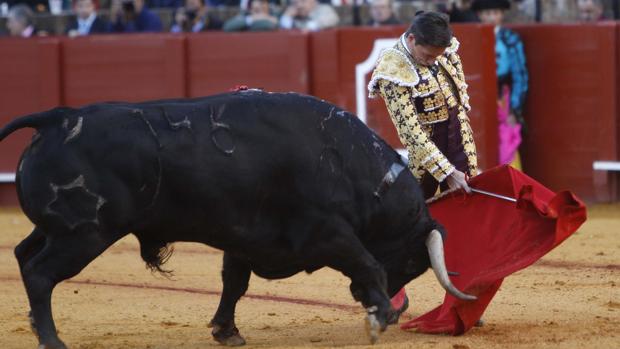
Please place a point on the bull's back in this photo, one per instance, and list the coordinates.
(221, 158)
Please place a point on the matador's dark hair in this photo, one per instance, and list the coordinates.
(431, 29)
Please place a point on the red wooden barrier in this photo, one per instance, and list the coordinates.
(29, 82)
(615, 177)
(335, 55)
(477, 52)
(572, 111)
(276, 61)
(123, 68)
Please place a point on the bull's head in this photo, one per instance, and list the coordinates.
(416, 263)
(415, 240)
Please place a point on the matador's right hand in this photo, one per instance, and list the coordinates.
(458, 180)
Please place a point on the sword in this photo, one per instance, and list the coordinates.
(483, 192)
(507, 198)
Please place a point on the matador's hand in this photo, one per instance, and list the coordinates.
(458, 180)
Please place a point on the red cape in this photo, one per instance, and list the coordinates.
(490, 238)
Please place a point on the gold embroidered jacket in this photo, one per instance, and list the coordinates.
(415, 100)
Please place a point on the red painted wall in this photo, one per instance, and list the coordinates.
(218, 62)
(477, 52)
(29, 82)
(573, 110)
(129, 68)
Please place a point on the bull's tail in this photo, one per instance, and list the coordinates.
(36, 121)
(155, 254)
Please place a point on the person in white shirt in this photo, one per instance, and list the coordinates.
(86, 22)
(309, 15)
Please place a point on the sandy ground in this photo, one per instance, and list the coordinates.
(570, 299)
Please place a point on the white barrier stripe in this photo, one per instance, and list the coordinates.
(7, 177)
(606, 165)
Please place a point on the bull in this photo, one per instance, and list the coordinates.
(282, 183)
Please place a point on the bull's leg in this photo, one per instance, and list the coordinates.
(29, 247)
(25, 251)
(345, 253)
(235, 276)
(62, 257)
(368, 286)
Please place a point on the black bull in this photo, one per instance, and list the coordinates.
(282, 183)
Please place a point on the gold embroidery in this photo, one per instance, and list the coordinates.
(405, 85)
(423, 153)
(433, 102)
(431, 117)
(393, 65)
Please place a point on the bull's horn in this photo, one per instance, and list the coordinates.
(434, 244)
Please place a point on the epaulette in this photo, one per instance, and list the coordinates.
(393, 65)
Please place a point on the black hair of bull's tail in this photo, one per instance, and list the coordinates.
(36, 121)
(155, 254)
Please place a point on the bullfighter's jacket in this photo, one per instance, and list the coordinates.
(417, 97)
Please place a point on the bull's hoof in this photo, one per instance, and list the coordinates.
(376, 322)
(229, 337)
(55, 344)
(373, 328)
(48, 346)
(232, 341)
(33, 326)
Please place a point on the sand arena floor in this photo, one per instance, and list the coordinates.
(569, 299)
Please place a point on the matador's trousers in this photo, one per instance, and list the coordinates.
(447, 137)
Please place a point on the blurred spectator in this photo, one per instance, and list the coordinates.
(87, 21)
(131, 16)
(228, 3)
(259, 18)
(195, 17)
(309, 15)
(459, 10)
(164, 3)
(590, 10)
(382, 13)
(512, 76)
(38, 6)
(20, 21)
(527, 8)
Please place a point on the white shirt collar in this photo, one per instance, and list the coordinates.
(85, 24)
(402, 41)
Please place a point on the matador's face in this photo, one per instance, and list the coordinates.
(423, 54)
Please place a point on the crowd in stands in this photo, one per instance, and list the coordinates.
(128, 16)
